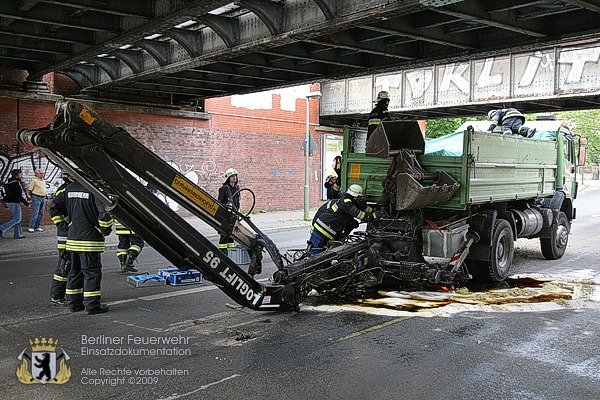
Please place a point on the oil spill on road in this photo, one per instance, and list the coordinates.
(519, 293)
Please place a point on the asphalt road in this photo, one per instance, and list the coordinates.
(516, 348)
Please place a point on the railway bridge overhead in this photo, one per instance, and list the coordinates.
(177, 52)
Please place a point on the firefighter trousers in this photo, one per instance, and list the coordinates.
(83, 281)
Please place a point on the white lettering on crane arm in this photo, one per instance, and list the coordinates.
(232, 278)
(243, 288)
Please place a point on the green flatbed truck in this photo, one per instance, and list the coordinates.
(455, 206)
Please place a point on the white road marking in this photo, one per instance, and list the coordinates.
(203, 387)
(172, 294)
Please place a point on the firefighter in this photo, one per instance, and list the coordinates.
(88, 224)
(59, 279)
(379, 113)
(229, 197)
(129, 248)
(332, 188)
(335, 218)
(511, 121)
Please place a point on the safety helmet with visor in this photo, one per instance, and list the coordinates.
(355, 190)
(230, 172)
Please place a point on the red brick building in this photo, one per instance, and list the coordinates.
(255, 135)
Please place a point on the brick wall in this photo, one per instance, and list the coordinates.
(262, 144)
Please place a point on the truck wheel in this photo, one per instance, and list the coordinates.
(554, 247)
(502, 249)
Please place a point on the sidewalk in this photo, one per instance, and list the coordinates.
(44, 243)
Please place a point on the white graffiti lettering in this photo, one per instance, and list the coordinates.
(453, 73)
(486, 78)
(578, 58)
(419, 81)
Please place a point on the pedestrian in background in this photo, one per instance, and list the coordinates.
(13, 199)
(37, 191)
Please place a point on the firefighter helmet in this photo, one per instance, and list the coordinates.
(491, 113)
(383, 95)
(355, 190)
(230, 172)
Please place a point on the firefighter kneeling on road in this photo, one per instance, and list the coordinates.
(335, 219)
(129, 248)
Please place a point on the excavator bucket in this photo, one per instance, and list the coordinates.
(392, 136)
(412, 194)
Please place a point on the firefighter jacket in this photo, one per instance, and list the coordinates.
(229, 196)
(122, 229)
(61, 220)
(378, 114)
(89, 220)
(14, 193)
(333, 220)
(504, 114)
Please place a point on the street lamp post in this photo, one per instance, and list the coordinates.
(307, 155)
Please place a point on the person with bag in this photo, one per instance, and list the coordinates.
(13, 199)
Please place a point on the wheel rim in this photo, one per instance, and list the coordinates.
(503, 253)
(562, 235)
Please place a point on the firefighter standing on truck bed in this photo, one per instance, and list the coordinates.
(129, 248)
(89, 224)
(379, 113)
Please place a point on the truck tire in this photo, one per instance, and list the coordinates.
(554, 247)
(502, 250)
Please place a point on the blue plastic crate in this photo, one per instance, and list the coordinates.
(165, 271)
(238, 255)
(146, 280)
(183, 277)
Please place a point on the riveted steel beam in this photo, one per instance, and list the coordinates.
(191, 41)
(226, 27)
(270, 13)
(132, 58)
(159, 50)
(111, 66)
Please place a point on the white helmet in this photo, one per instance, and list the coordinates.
(491, 113)
(355, 190)
(230, 172)
(382, 95)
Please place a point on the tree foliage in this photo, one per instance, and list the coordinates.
(585, 123)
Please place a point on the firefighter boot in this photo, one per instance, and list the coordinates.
(128, 267)
(122, 259)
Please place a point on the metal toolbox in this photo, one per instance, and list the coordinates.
(146, 280)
